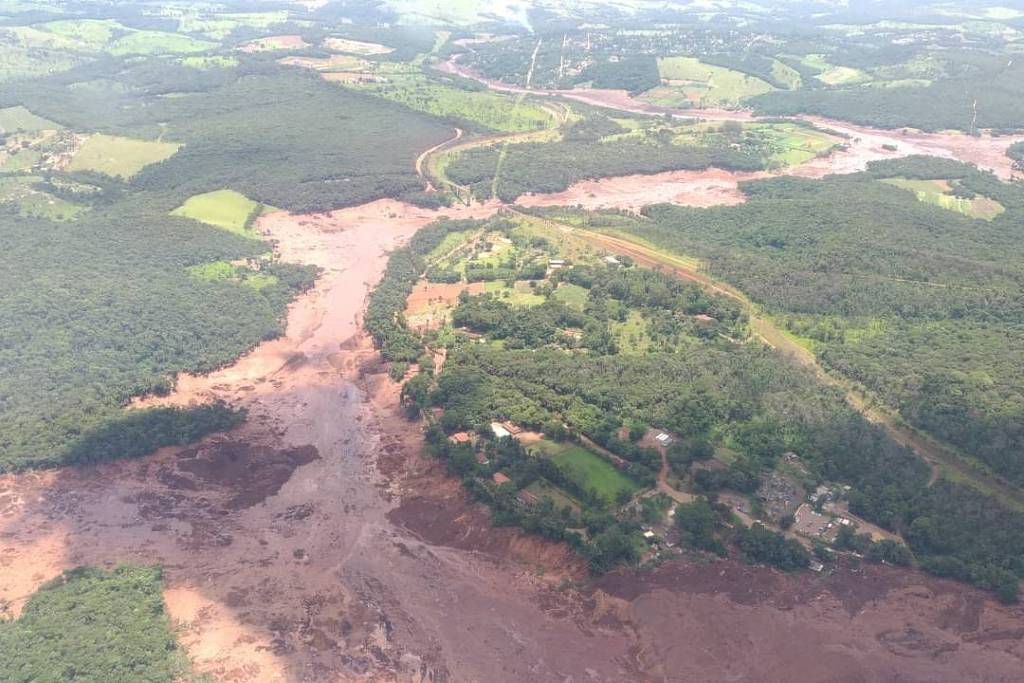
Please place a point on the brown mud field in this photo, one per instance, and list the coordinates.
(315, 543)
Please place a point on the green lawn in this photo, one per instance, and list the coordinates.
(703, 84)
(15, 119)
(224, 209)
(542, 488)
(519, 295)
(18, 191)
(939, 193)
(631, 335)
(591, 471)
(203, 63)
(572, 295)
(495, 111)
(157, 43)
(121, 157)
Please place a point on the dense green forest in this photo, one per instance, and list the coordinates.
(988, 96)
(93, 625)
(934, 338)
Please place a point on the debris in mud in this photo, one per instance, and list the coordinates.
(254, 472)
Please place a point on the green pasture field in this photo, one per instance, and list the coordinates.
(18, 190)
(521, 294)
(494, 111)
(631, 335)
(588, 469)
(786, 74)
(939, 193)
(20, 119)
(93, 34)
(157, 43)
(542, 488)
(223, 271)
(572, 295)
(451, 242)
(831, 74)
(20, 59)
(781, 144)
(224, 209)
(705, 85)
(204, 62)
(119, 157)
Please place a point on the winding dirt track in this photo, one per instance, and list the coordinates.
(315, 544)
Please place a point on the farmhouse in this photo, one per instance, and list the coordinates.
(663, 439)
(500, 478)
(499, 430)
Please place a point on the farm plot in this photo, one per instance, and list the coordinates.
(430, 304)
(689, 82)
(542, 489)
(119, 157)
(20, 192)
(940, 193)
(226, 209)
(206, 62)
(435, 96)
(588, 470)
(274, 43)
(21, 120)
(157, 43)
(830, 74)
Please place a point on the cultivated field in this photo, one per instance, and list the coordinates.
(940, 193)
(225, 209)
(119, 157)
(689, 82)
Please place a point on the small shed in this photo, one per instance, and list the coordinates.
(500, 478)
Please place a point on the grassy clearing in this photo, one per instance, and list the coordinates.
(690, 81)
(591, 471)
(631, 335)
(119, 157)
(274, 43)
(226, 209)
(831, 74)
(521, 294)
(157, 43)
(224, 271)
(90, 33)
(940, 193)
(414, 89)
(542, 488)
(786, 75)
(204, 63)
(780, 144)
(572, 295)
(19, 119)
(30, 202)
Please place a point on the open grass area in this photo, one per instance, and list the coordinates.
(572, 295)
(521, 294)
(542, 488)
(940, 193)
(20, 119)
(119, 157)
(226, 209)
(224, 271)
(30, 202)
(687, 80)
(589, 470)
(631, 334)
(830, 74)
(204, 62)
(157, 43)
(779, 144)
(411, 87)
